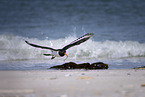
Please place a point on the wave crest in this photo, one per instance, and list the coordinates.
(15, 48)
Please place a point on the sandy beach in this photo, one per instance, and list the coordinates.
(73, 83)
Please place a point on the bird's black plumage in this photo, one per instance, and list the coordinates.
(62, 52)
(42, 47)
(78, 41)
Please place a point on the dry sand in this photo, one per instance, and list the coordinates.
(73, 83)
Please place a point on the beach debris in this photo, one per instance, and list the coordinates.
(139, 67)
(64, 95)
(53, 78)
(128, 74)
(68, 75)
(82, 73)
(97, 93)
(142, 85)
(87, 66)
(84, 77)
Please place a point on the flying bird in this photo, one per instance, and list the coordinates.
(62, 52)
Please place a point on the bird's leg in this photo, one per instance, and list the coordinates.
(52, 57)
(47, 54)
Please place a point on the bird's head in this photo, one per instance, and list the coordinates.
(62, 53)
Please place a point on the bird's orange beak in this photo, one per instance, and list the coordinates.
(66, 54)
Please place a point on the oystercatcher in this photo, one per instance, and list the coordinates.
(62, 52)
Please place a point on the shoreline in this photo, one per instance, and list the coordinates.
(73, 83)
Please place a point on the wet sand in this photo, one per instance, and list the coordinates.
(73, 83)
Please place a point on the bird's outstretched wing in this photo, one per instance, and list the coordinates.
(78, 41)
(42, 47)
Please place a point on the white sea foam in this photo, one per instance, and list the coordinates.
(15, 48)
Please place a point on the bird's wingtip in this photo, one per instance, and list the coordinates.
(26, 41)
(90, 34)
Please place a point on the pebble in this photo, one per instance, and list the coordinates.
(68, 75)
(82, 73)
(64, 95)
(84, 77)
(128, 74)
(142, 85)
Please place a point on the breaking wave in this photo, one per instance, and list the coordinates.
(15, 48)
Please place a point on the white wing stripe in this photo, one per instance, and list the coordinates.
(86, 36)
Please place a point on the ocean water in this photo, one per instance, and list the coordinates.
(118, 27)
